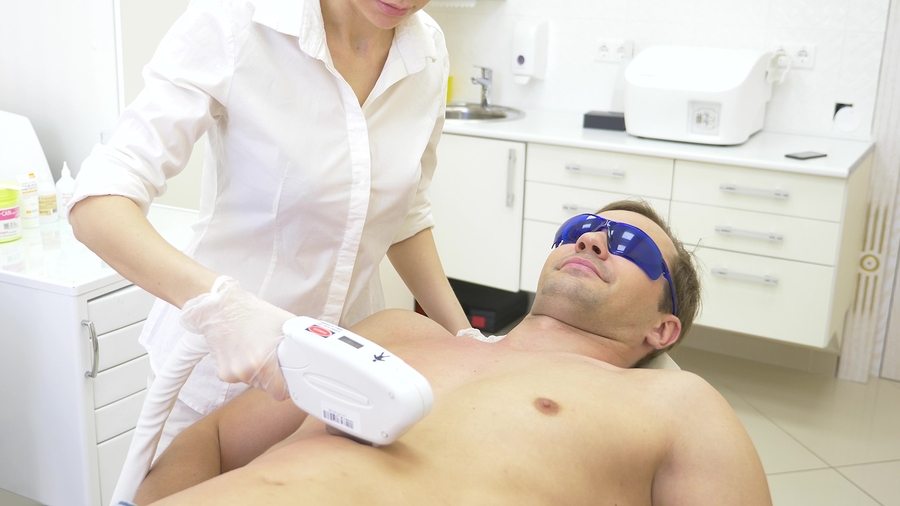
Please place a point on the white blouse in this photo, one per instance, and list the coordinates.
(303, 190)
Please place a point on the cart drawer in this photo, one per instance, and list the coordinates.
(121, 381)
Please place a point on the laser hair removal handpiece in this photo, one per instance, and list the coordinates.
(351, 383)
(345, 380)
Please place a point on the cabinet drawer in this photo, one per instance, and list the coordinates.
(555, 204)
(119, 417)
(770, 191)
(120, 346)
(766, 234)
(537, 237)
(794, 310)
(119, 309)
(111, 459)
(600, 170)
(121, 381)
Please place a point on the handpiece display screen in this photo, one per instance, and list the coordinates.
(351, 342)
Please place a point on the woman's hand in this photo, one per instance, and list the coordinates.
(242, 332)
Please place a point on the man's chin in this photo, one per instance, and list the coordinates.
(568, 298)
(572, 287)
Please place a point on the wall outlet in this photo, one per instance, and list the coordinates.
(803, 56)
(614, 51)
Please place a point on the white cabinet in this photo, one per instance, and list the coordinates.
(477, 198)
(68, 410)
(778, 251)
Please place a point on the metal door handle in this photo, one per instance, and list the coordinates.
(749, 234)
(739, 276)
(575, 208)
(511, 178)
(753, 192)
(613, 173)
(95, 361)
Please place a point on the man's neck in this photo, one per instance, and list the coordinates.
(547, 334)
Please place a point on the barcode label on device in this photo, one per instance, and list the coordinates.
(336, 417)
(348, 420)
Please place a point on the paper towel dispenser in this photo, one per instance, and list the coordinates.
(699, 94)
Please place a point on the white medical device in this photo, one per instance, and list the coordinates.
(700, 94)
(351, 383)
(347, 381)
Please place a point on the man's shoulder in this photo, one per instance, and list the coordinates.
(679, 389)
(693, 408)
(711, 459)
(398, 325)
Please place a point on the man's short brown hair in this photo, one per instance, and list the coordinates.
(683, 272)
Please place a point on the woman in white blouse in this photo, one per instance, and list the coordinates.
(322, 117)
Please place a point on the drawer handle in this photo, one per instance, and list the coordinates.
(95, 361)
(739, 276)
(613, 173)
(753, 192)
(749, 234)
(575, 208)
(511, 178)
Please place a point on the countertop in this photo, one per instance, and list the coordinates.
(49, 258)
(764, 150)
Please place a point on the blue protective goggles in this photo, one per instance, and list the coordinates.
(623, 240)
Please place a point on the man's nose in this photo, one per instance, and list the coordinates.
(594, 242)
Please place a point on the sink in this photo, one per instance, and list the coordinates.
(474, 112)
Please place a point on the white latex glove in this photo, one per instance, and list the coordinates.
(242, 332)
(476, 334)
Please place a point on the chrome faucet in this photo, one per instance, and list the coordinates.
(487, 84)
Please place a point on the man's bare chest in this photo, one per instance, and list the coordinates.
(555, 425)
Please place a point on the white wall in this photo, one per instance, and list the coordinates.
(143, 24)
(58, 68)
(58, 59)
(848, 36)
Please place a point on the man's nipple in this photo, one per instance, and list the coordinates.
(546, 406)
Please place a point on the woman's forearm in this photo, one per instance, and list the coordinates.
(116, 230)
(418, 264)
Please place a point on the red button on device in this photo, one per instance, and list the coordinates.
(478, 321)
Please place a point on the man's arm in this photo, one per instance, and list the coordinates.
(712, 459)
(226, 439)
(253, 422)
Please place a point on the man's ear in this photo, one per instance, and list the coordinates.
(665, 333)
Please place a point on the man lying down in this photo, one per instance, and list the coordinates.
(554, 413)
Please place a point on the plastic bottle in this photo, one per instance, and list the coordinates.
(10, 223)
(65, 186)
(47, 200)
(29, 208)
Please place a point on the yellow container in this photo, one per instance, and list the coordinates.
(10, 222)
(449, 88)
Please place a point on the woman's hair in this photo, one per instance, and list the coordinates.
(683, 272)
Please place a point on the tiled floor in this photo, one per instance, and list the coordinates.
(823, 442)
